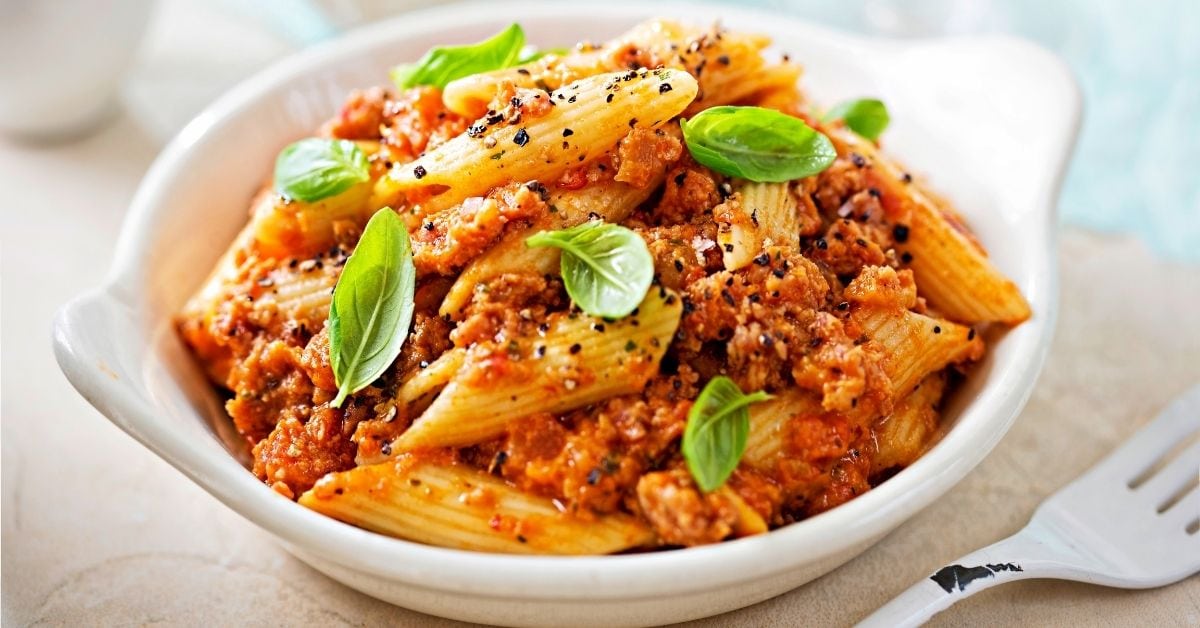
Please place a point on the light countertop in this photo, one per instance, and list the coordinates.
(99, 531)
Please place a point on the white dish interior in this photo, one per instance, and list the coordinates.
(990, 121)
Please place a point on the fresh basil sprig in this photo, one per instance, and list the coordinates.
(606, 268)
(717, 428)
(443, 64)
(372, 305)
(756, 144)
(868, 117)
(317, 168)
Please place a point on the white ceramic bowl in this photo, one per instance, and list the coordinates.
(990, 120)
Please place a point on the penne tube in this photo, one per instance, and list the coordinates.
(953, 272)
(452, 505)
(907, 432)
(579, 360)
(757, 216)
(432, 378)
(591, 116)
(916, 345)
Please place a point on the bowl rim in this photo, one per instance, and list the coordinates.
(636, 576)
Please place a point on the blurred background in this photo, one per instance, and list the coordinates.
(159, 63)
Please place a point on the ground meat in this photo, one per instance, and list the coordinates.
(591, 459)
(845, 248)
(845, 371)
(644, 154)
(690, 190)
(446, 242)
(417, 121)
(759, 316)
(297, 452)
(266, 383)
(680, 513)
(837, 183)
(361, 116)
(507, 307)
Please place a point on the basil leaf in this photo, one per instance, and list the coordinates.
(605, 268)
(443, 64)
(317, 168)
(372, 305)
(717, 428)
(756, 144)
(867, 117)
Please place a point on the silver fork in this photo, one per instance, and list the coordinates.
(1131, 522)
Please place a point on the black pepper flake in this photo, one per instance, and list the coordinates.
(971, 335)
(906, 257)
(763, 259)
(608, 98)
(766, 340)
(576, 348)
(874, 192)
(632, 122)
(593, 476)
(678, 266)
(475, 130)
(571, 99)
(727, 297)
(779, 273)
(568, 133)
(679, 178)
(900, 233)
(598, 327)
(515, 101)
(937, 329)
(523, 71)
(728, 248)
(428, 226)
(386, 449)
(754, 297)
(521, 138)
(664, 88)
(521, 538)
(495, 118)
(858, 160)
(630, 345)
(843, 306)
(821, 244)
(907, 178)
(540, 350)
(860, 242)
(420, 172)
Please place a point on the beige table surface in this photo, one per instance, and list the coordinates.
(98, 531)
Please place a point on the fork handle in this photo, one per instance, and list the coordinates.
(1034, 552)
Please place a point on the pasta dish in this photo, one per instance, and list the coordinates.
(619, 297)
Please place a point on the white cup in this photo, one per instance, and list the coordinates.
(62, 61)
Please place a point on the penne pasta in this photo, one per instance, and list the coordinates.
(907, 432)
(432, 378)
(579, 360)
(953, 272)
(590, 117)
(756, 216)
(452, 505)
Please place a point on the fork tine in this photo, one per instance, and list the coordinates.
(1171, 478)
(1178, 421)
(1184, 512)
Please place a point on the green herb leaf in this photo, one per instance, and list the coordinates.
(717, 428)
(443, 64)
(605, 268)
(756, 144)
(372, 305)
(867, 117)
(317, 168)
